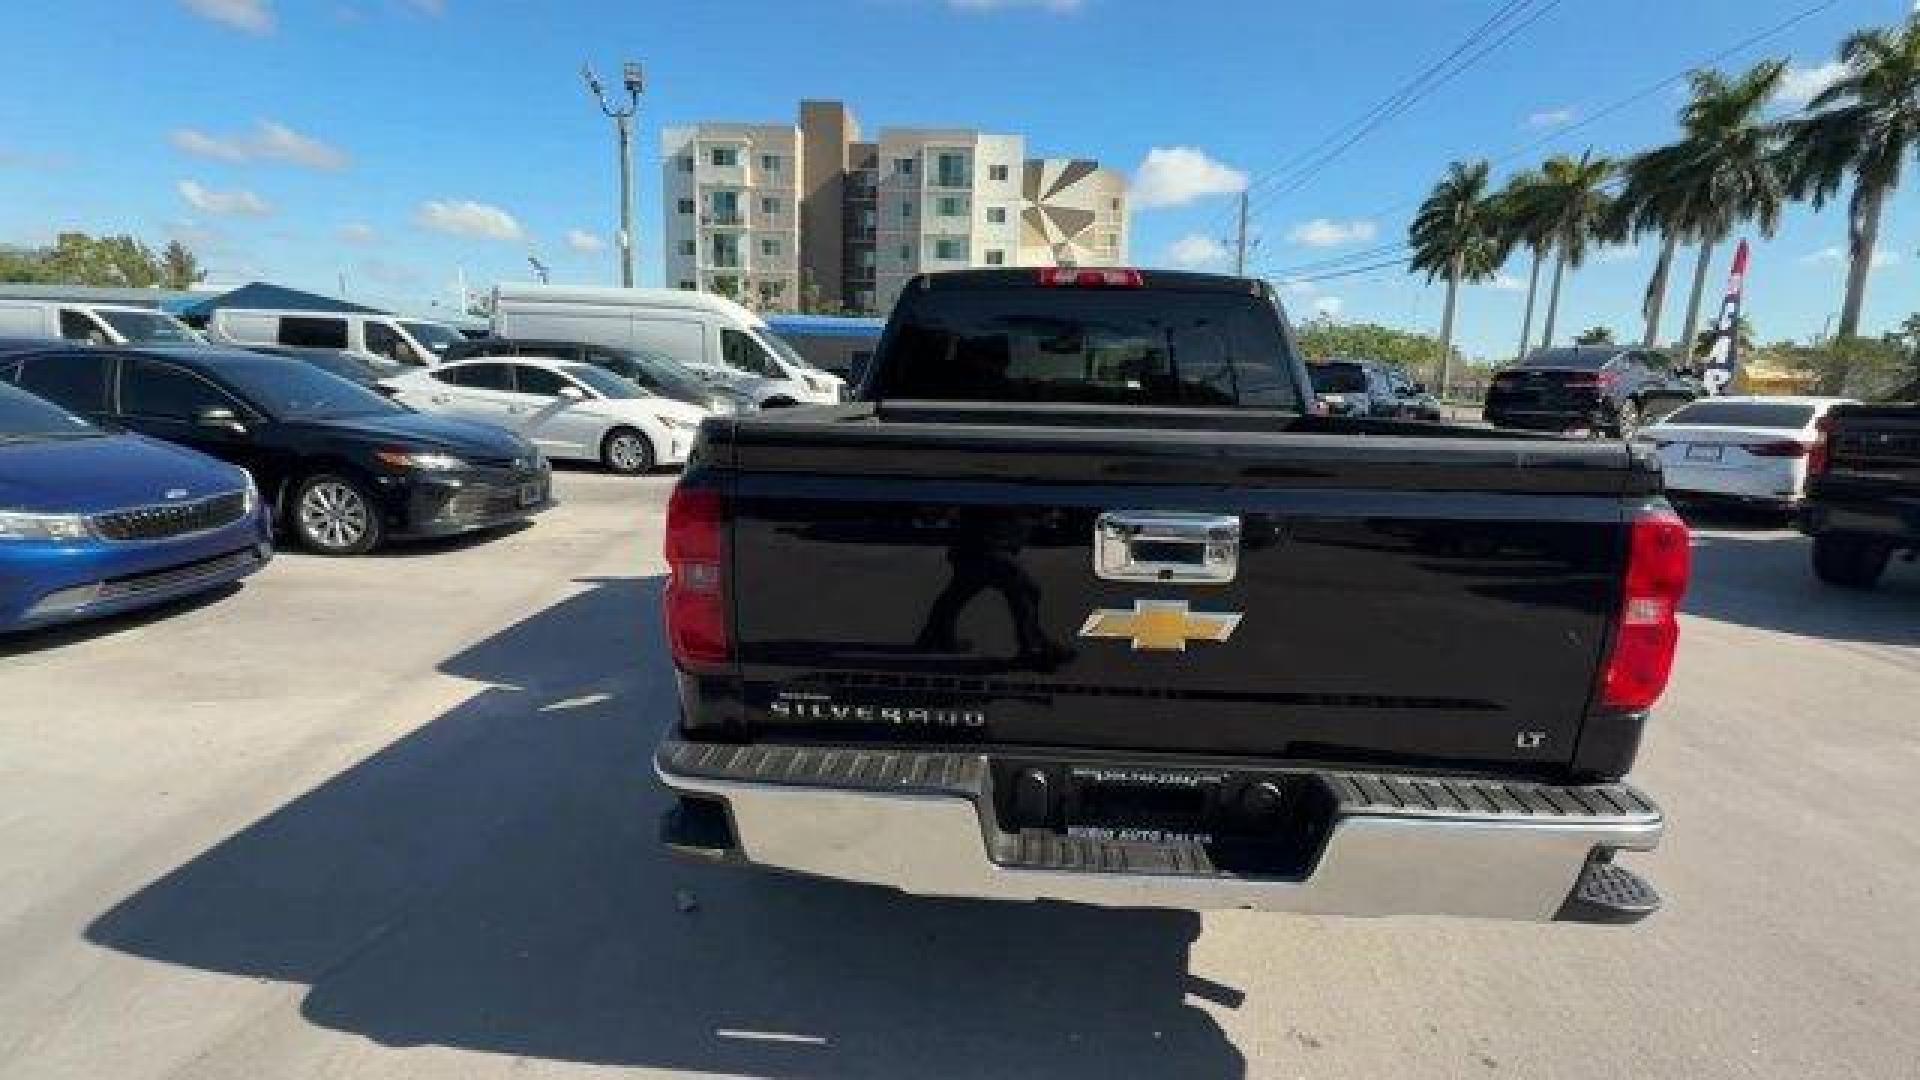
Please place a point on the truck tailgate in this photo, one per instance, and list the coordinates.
(1441, 600)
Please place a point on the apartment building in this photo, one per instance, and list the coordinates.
(863, 216)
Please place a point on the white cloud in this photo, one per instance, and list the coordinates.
(1058, 7)
(1801, 85)
(1177, 175)
(1329, 306)
(1837, 256)
(1550, 118)
(357, 232)
(236, 203)
(467, 218)
(1623, 253)
(584, 242)
(1326, 232)
(1196, 251)
(1505, 282)
(269, 141)
(249, 16)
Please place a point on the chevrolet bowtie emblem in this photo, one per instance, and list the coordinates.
(1161, 625)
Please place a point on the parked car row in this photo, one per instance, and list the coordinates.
(1370, 388)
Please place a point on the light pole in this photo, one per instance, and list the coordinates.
(635, 81)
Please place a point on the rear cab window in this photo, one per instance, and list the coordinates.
(309, 332)
(1075, 345)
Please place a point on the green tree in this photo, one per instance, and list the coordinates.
(1655, 199)
(1595, 335)
(1323, 339)
(1862, 128)
(1525, 222)
(1572, 194)
(1457, 235)
(180, 267)
(1727, 164)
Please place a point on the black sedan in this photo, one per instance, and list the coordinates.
(344, 468)
(1599, 389)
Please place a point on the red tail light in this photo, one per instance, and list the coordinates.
(1820, 455)
(1118, 278)
(696, 583)
(1781, 448)
(1659, 559)
(1607, 380)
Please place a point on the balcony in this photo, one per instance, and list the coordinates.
(724, 220)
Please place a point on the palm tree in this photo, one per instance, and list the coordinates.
(1525, 223)
(1863, 126)
(1456, 234)
(1655, 199)
(1573, 197)
(1728, 166)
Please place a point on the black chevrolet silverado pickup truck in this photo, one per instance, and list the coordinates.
(1863, 492)
(1079, 600)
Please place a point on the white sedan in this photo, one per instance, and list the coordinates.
(567, 409)
(1750, 448)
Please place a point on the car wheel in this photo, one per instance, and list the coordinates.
(1850, 562)
(1626, 419)
(626, 452)
(333, 515)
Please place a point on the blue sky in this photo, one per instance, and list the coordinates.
(399, 143)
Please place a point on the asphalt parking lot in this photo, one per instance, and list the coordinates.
(393, 817)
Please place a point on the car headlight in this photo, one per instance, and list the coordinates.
(22, 526)
(403, 459)
(722, 404)
(674, 423)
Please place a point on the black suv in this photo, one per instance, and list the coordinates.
(1605, 389)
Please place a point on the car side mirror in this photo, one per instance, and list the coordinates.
(219, 419)
(573, 393)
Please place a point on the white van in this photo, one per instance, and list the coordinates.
(98, 324)
(419, 342)
(714, 336)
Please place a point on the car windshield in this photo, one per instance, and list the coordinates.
(26, 418)
(435, 336)
(783, 350)
(669, 376)
(1337, 378)
(295, 391)
(604, 382)
(149, 327)
(1761, 414)
(1577, 359)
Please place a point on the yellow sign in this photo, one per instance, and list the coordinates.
(1161, 625)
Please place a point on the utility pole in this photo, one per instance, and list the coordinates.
(1240, 246)
(634, 80)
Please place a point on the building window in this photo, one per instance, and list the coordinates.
(998, 173)
(906, 253)
(687, 285)
(949, 248)
(1115, 203)
(1110, 241)
(996, 215)
(726, 249)
(688, 248)
(726, 285)
(996, 257)
(868, 221)
(863, 299)
(723, 157)
(769, 163)
(686, 162)
(903, 166)
(865, 258)
(686, 206)
(769, 246)
(725, 207)
(770, 207)
(906, 209)
(951, 170)
(771, 292)
(951, 206)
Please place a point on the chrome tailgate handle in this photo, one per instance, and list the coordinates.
(1154, 546)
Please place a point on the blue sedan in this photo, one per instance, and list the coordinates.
(93, 523)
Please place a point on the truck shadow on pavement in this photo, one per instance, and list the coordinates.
(1765, 580)
(492, 882)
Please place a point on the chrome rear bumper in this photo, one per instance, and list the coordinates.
(924, 824)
